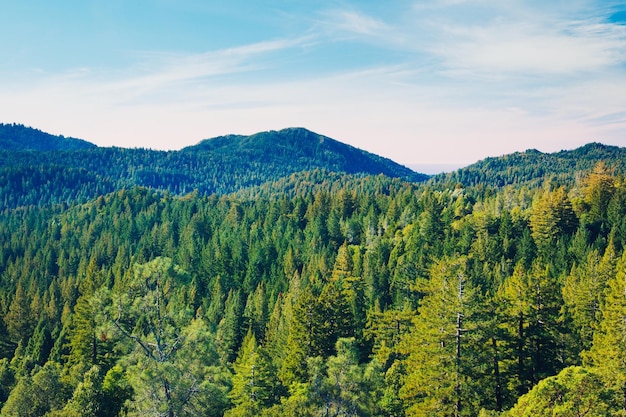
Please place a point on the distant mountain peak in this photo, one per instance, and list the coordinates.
(303, 150)
(221, 165)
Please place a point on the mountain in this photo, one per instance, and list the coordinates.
(15, 137)
(532, 167)
(65, 174)
(329, 292)
(298, 149)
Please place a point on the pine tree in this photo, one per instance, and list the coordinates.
(302, 341)
(575, 391)
(88, 397)
(229, 331)
(439, 380)
(583, 294)
(608, 352)
(552, 216)
(255, 314)
(19, 319)
(89, 341)
(39, 394)
(598, 189)
(530, 304)
(147, 311)
(255, 384)
(277, 332)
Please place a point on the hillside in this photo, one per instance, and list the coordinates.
(306, 150)
(15, 137)
(323, 291)
(532, 167)
(360, 297)
(66, 174)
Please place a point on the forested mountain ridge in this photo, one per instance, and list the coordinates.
(384, 298)
(306, 149)
(533, 167)
(315, 293)
(222, 165)
(19, 137)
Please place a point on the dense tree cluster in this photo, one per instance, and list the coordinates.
(532, 166)
(19, 137)
(345, 296)
(41, 169)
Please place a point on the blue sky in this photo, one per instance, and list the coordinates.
(422, 82)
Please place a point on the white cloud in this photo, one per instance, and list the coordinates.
(519, 37)
(522, 49)
(466, 86)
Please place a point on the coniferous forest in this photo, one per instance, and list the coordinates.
(495, 290)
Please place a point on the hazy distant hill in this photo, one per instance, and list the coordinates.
(532, 167)
(44, 169)
(20, 137)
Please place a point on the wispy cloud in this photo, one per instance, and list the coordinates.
(351, 21)
(162, 70)
(518, 38)
(520, 48)
(434, 81)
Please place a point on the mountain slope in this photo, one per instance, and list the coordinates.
(215, 166)
(304, 150)
(533, 167)
(19, 137)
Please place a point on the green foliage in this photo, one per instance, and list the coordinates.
(7, 380)
(172, 355)
(19, 137)
(255, 382)
(608, 352)
(584, 294)
(575, 391)
(532, 167)
(552, 216)
(530, 305)
(40, 169)
(340, 295)
(441, 375)
(19, 319)
(36, 395)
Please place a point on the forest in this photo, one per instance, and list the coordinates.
(37, 168)
(322, 294)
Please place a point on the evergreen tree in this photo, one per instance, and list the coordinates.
(255, 383)
(303, 339)
(575, 391)
(169, 365)
(255, 314)
(18, 319)
(88, 397)
(34, 396)
(608, 352)
(530, 304)
(439, 380)
(229, 331)
(90, 343)
(552, 216)
(583, 294)
(598, 190)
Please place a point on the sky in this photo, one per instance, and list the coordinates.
(434, 84)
